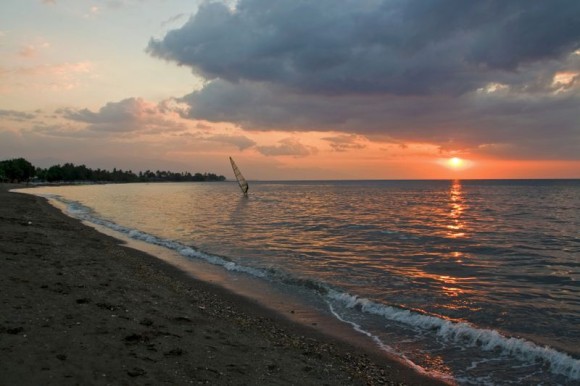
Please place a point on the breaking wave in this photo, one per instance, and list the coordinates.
(466, 334)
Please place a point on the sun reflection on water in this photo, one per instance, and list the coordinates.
(456, 225)
(457, 289)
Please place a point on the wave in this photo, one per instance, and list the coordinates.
(82, 212)
(461, 333)
(467, 335)
(357, 327)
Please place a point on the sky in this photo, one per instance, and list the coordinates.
(295, 89)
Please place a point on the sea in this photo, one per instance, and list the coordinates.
(476, 282)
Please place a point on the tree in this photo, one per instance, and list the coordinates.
(54, 173)
(21, 170)
(16, 170)
(3, 177)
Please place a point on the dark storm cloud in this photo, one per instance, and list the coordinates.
(472, 121)
(360, 47)
(469, 74)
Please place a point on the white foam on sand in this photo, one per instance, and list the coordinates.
(467, 335)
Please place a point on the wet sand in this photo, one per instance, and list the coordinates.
(78, 307)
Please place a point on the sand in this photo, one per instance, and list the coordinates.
(78, 307)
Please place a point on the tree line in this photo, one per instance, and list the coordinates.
(20, 170)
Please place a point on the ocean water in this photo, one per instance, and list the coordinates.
(476, 282)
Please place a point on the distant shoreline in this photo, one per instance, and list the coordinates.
(80, 183)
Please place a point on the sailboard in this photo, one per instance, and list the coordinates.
(241, 180)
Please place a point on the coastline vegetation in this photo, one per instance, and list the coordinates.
(21, 170)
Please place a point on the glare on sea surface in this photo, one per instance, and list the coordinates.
(456, 225)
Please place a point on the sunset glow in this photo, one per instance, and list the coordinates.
(455, 163)
(153, 85)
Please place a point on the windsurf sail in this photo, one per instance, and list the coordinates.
(241, 180)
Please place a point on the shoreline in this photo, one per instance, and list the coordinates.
(77, 306)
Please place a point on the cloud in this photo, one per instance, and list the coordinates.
(345, 142)
(240, 141)
(458, 74)
(136, 116)
(173, 19)
(369, 47)
(287, 147)
(17, 115)
(128, 115)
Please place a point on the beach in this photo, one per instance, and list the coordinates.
(78, 307)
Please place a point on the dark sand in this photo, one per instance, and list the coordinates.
(77, 307)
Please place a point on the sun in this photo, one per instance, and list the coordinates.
(455, 163)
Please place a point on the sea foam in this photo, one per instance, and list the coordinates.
(466, 334)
